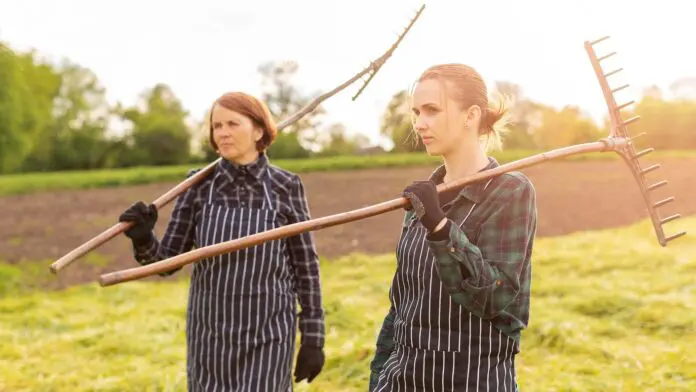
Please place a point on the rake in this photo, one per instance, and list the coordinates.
(180, 188)
(618, 141)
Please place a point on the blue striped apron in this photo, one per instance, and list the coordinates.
(241, 317)
(439, 345)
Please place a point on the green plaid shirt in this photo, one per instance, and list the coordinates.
(486, 264)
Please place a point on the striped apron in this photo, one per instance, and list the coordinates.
(240, 322)
(438, 344)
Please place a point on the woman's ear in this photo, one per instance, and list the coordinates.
(258, 134)
(474, 113)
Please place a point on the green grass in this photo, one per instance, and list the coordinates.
(611, 311)
(14, 184)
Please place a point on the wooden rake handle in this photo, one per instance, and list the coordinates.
(163, 200)
(617, 141)
(109, 279)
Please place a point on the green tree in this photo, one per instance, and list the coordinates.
(284, 99)
(26, 96)
(76, 137)
(160, 135)
(397, 124)
(335, 141)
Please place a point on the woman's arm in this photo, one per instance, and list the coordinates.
(492, 277)
(384, 347)
(179, 236)
(305, 261)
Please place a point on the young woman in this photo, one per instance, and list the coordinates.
(241, 317)
(460, 294)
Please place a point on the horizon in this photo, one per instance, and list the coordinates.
(132, 51)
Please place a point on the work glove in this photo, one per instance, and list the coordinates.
(144, 218)
(310, 361)
(426, 202)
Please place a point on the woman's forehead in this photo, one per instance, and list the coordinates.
(429, 91)
(222, 113)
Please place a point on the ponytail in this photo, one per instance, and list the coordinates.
(494, 124)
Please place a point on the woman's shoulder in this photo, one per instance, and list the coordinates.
(283, 178)
(200, 184)
(514, 185)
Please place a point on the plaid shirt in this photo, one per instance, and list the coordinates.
(485, 265)
(242, 186)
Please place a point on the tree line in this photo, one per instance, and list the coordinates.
(55, 116)
(667, 117)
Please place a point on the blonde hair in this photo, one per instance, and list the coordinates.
(470, 89)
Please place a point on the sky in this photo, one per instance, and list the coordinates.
(216, 46)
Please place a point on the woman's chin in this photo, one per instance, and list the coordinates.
(230, 154)
(433, 150)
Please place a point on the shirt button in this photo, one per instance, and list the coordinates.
(452, 249)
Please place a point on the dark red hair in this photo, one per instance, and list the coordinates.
(250, 107)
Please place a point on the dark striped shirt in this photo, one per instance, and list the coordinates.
(242, 187)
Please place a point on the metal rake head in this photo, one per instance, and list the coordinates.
(619, 130)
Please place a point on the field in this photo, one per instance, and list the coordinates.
(609, 313)
(604, 318)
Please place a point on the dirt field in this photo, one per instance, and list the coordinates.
(571, 197)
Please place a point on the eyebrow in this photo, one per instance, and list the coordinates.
(431, 105)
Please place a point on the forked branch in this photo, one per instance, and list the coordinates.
(180, 188)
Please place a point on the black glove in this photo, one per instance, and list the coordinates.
(310, 360)
(144, 217)
(426, 201)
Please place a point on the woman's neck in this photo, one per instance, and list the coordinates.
(246, 158)
(464, 162)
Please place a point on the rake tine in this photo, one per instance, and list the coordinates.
(625, 105)
(608, 74)
(606, 56)
(595, 42)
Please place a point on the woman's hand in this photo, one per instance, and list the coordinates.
(426, 202)
(144, 217)
(310, 361)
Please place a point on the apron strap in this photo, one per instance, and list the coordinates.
(474, 205)
(266, 181)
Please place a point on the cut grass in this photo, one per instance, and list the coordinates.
(40, 182)
(607, 315)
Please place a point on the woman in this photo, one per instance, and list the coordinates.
(460, 294)
(240, 327)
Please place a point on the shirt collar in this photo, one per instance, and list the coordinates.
(255, 169)
(473, 191)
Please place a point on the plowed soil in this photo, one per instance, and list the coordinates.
(572, 196)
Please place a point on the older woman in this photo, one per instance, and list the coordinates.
(241, 316)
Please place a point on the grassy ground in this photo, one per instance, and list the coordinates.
(612, 311)
(36, 182)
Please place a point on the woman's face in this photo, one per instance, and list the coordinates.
(235, 135)
(439, 121)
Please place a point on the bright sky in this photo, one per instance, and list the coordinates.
(204, 50)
